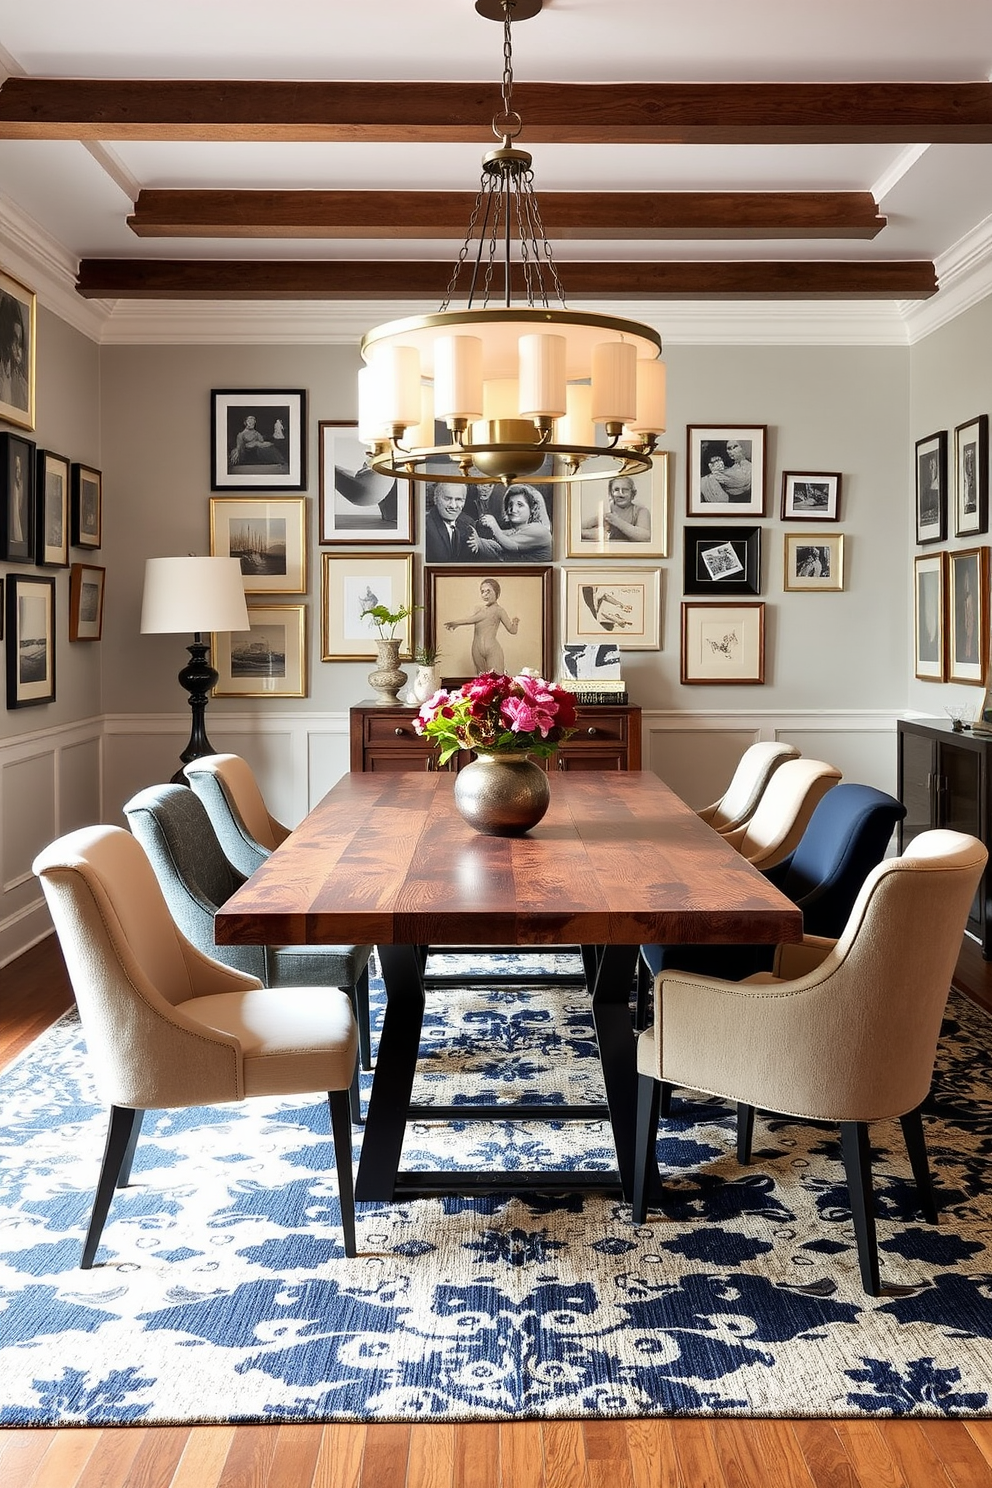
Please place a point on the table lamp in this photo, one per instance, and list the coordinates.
(194, 594)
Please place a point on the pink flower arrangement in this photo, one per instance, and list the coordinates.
(498, 714)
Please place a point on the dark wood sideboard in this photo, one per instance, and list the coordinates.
(945, 776)
(606, 738)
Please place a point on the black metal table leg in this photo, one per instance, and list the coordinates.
(618, 1056)
(396, 1063)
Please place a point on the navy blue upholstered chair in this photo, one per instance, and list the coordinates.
(196, 878)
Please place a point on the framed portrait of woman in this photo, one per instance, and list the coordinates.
(725, 470)
(968, 615)
(497, 620)
(929, 590)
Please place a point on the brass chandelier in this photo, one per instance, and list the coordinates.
(524, 389)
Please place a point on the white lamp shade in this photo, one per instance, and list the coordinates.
(542, 376)
(371, 423)
(614, 382)
(650, 416)
(500, 398)
(397, 372)
(577, 428)
(193, 594)
(458, 377)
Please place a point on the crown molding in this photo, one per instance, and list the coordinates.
(43, 264)
(964, 274)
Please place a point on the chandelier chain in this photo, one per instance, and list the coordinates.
(463, 250)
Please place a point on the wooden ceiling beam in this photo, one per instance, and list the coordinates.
(321, 279)
(566, 214)
(618, 113)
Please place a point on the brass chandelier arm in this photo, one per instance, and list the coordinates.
(391, 459)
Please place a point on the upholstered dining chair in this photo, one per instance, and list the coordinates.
(167, 1026)
(226, 785)
(196, 878)
(754, 770)
(842, 1031)
(783, 812)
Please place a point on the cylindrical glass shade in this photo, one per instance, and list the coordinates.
(577, 427)
(397, 371)
(650, 415)
(542, 376)
(614, 382)
(499, 398)
(458, 377)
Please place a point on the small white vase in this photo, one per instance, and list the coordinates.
(425, 684)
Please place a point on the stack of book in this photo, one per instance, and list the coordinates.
(596, 689)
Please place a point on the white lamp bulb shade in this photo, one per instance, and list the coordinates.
(500, 397)
(577, 429)
(542, 376)
(397, 372)
(650, 415)
(614, 382)
(371, 424)
(458, 377)
(421, 436)
(193, 594)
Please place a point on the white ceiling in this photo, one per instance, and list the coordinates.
(934, 196)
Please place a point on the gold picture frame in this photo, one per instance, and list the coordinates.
(814, 561)
(350, 582)
(723, 644)
(267, 660)
(968, 615)
(620, 605)
(18, 351)
(929, 616)
(268, 534)
(645, 525)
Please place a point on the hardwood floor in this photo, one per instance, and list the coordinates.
(693, 1453)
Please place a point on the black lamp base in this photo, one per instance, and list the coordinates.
(197, 676)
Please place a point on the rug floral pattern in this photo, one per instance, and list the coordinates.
(221, 1291)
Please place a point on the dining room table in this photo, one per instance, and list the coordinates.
(618, 861)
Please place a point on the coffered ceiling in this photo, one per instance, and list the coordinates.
(724, 149)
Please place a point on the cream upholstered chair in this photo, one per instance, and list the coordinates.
(167, 1026)
(783, 812)
(842, 1031)
(754, 770)
(228, 789)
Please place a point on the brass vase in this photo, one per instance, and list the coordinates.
(388, 677)
(502, 795)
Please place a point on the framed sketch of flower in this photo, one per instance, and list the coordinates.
(723, 643)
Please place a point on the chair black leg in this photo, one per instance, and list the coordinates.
(644, 980)
(355, 1097)
(648, 1096)
(857, 1165)
(665, 1101)
(359, 995)
(745, 1133)
(122, 1134)
(916, 1146)
(341, 1132)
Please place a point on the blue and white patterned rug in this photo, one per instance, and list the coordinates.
(222, 1293)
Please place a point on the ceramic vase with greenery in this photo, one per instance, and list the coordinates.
(388, 677)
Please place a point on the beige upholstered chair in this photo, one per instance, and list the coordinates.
(228, 789)
(754, 770)
(842, 1031)
(167, 1026)
(783, 812)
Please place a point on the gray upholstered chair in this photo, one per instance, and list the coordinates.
(783, 812)
(229, 791)
(843, 1030)
(167, 1026)
(754, 770)
(194, 874)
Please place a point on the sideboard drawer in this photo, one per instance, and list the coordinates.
(388, 728)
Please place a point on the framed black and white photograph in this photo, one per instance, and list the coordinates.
(17, 516)
(971, 476)
(356, 504)
(487, 523)
(259, 440)
(725, 560)
(624, 515)
(51, 544)
(489, 621)
(810, 498)
(30, 640)
(931, 488)
(722, 644)
(725, 470)
(814, 560)
(18, 354)
(87, 507)
(86, 583)
(618, 604)
(267, 535)
(350, 584)
(267, 660)
(968, 616)
(930, 635)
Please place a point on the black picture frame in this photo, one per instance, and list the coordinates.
(17, 498)
(258, 439)
(51, 510)
(931, 488)
(30, 606)
(971, 477)
(86, 491)
(721, 560)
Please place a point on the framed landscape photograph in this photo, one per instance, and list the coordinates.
(499, 621)
(931, 488)
(929, 630)
(726, 560)
(725, 470)
(618, 604)
(52, 511)
(353, 582)
(810, 498)
(87, 507)
(968, 616)
(30, 640)
(267, 535)
(86, 581)
(723, 643)
(267, 660)
(18, 355)
(258, 440)
(17, 515)
(626, 515)
(971, 476)
(814, 560)
(356, 504)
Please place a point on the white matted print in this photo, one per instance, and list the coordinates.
(259, 440)
(357, 505)
(625, 514)
(725, 470)
(723, 643)
(268, 537)
(814, 560)
(352, 583)
(619, 604)
(267, 660)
